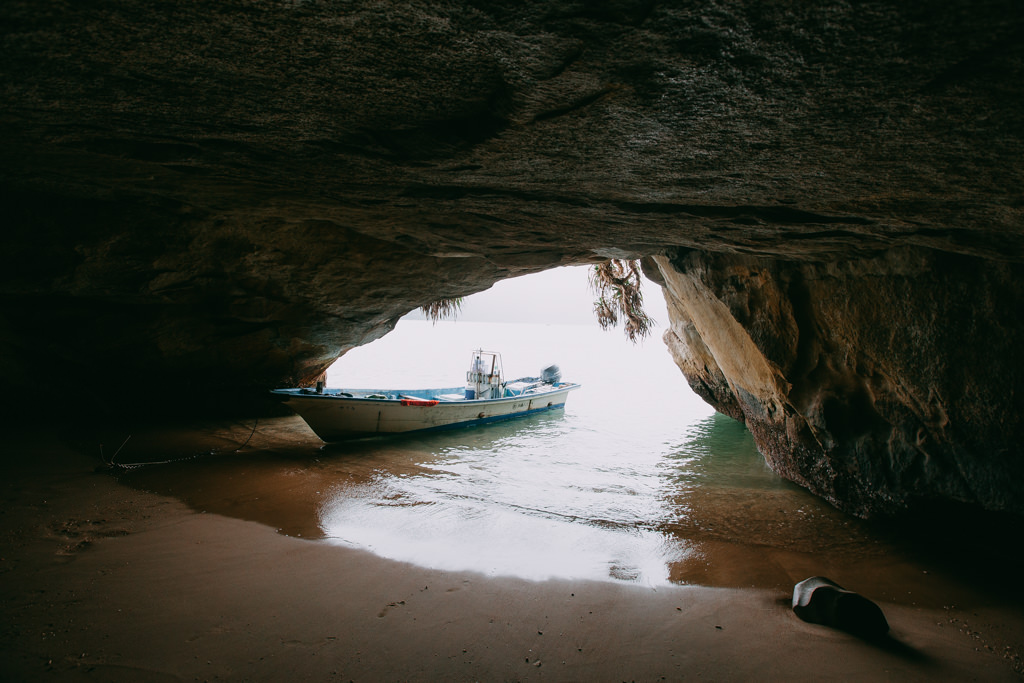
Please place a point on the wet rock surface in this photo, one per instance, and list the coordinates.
(219, 199)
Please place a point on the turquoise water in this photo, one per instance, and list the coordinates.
(614, 487)
(636, 480)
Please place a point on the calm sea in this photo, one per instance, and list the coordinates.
(636, 480)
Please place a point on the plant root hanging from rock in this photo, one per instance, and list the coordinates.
(617, 285)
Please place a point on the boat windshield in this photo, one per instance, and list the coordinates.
(485, 362)
(483, 380)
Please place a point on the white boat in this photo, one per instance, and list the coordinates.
(339, 414)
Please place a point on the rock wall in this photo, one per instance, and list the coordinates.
(217, 198)
(873, 382)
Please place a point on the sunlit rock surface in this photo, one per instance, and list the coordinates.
(215, 198)
(875, 383)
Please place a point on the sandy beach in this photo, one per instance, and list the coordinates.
(102, 582)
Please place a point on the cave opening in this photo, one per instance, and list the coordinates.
(579, 492)
(635, 481)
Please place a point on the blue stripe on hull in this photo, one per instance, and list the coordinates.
(454, 425)
(487, 420)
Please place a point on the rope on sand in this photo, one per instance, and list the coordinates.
(111, 464)
(250, 435)
(136, 465)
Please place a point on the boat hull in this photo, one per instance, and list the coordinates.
(335, 417)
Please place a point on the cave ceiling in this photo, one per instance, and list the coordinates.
(235, 193)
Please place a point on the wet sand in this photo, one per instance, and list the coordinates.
(99, 581)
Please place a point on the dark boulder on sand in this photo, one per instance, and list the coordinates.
(818, 600)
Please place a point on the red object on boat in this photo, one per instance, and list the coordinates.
(413, 402)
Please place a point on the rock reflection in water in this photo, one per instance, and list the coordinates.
(746, 525)
(528, 501)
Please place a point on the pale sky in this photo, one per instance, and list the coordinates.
(560, 296)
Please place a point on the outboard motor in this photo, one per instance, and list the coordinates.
(551, 374)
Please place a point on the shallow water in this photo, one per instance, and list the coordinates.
(636, 480)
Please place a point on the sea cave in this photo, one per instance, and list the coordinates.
(220, 199)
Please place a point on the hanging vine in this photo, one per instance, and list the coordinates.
(442, 309)
(617, 285)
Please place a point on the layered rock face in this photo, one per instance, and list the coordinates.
(868, 381)
(216, 198)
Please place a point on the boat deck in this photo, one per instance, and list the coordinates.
(525, 386)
